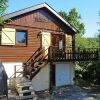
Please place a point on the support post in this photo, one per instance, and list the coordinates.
(15, 71)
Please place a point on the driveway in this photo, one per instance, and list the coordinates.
(69, 93)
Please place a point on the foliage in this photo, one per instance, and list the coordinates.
(3, 6)
(85, 72)
(84, 42)
(74, 19)
(90, 71)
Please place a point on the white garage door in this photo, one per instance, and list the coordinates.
(63, 74)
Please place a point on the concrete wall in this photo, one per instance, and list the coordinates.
(42, 80)
(64, 74)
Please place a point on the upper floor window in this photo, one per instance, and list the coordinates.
(21, 37)
(11, 36)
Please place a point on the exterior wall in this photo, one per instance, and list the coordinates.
(64, 74)
(9, 67)
(16, 53)
(42, 80)
(34, 23)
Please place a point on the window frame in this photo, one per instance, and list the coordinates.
(21, 44)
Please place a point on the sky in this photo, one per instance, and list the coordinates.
(88, 9)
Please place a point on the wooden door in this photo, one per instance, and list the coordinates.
(58, 41)
(46, 41)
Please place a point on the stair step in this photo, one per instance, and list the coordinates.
(26, 91)
(24, 84)
(23, 81)
(32, 97)
(19, 71)
(41, 65)
(36, 63)
(21, 88)
(26, 94)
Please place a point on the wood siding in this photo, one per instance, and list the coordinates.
(34, 23)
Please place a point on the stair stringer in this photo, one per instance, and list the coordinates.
(36, 69)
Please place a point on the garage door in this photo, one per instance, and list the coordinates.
(62, 74)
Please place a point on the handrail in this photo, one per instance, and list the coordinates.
(33, 54)
(77, 48)
(37, 58)
(16, 71)
(68, 54)
(42, 52)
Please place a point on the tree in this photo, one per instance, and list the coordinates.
(3, 6)
(74, 19)
(98, 35)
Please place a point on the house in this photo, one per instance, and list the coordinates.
(41, 41)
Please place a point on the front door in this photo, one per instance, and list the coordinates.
(46, 39)
(58, 41)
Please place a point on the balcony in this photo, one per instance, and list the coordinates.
(69, 54)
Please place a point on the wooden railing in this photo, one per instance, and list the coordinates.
(34, 54)
(37, 57)
(69, 54)
(17, 73)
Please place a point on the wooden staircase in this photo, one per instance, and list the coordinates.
(34, 64)
(25, 89)
(22, 83)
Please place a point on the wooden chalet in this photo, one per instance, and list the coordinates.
(43, 43)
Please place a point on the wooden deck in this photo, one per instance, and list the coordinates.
(69, 54)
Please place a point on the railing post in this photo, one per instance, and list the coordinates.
(24, 69)
(15, 71)
(49, 53)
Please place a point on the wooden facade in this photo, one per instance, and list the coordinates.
(34, 22)
(48, 44)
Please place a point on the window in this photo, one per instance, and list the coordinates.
(21, 37)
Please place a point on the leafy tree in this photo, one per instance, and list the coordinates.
(3, 6)
(74, 19)
(98, 34)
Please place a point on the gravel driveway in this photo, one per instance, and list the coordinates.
(69, 93)
(66, 93)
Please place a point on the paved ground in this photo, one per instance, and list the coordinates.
(66, 93)
(70, 93)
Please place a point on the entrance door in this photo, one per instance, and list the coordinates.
(46, 38)
(58, 41)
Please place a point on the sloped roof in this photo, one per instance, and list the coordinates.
(43, 5)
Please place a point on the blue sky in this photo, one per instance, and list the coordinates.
(88, 9)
